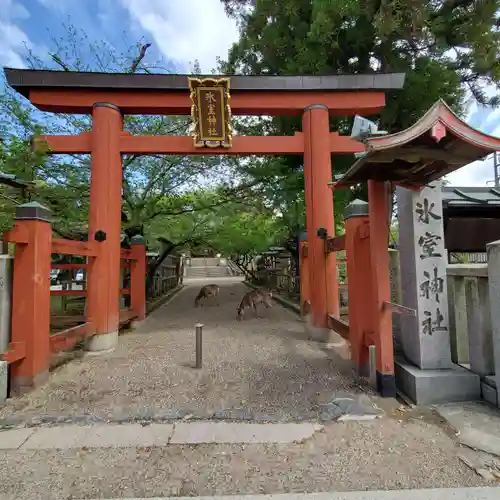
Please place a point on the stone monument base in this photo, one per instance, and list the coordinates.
(426, 387)
(489, 390)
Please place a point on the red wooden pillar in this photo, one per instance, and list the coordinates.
(358, 282)
(319, 214)
(138, 278)
(31, 298)
(382, 317)
(105, 226)
(305, 287)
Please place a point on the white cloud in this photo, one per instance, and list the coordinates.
(186, 30)
(57, 5)
(12, 38)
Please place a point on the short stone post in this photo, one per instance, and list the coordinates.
(493, 250)
(31, 298)
(427, 374)
(138, 277)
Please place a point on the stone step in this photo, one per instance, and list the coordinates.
(198, 272)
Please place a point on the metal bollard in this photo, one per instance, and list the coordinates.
(199, 338)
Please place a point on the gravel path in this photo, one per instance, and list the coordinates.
(383, 454)
(260, 367)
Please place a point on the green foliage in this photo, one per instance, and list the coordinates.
(16, 158)
(178, 199)
(447, 48)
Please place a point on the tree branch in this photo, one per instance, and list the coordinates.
(139, 58)
(59, 62)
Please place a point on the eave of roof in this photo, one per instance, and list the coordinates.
(471, 196)
(23, 80)
(439, 143)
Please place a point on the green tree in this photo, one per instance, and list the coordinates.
(161, 193)
(18, 172)
(447, 48)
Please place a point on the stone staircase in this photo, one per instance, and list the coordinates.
(206, 268)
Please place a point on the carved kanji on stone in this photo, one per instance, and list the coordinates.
(433, 285)
(424, 211)
(428, 243)
(429, 326)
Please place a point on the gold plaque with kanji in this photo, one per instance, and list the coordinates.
(211, 112)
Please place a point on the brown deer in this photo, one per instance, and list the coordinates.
(251, 299)
(207, 291)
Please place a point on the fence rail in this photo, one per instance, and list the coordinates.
(167, 277)
(32, 340)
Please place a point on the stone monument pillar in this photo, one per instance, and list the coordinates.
(427, 374)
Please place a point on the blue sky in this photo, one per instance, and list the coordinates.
(181, 32)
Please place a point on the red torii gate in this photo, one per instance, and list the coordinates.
(107, 97)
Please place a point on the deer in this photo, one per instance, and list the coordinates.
(251, 299)
(205, 292)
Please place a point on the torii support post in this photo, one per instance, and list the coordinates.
(105, 226)
(378, 198)
(31, 298)
(357, 240)
(319, 215)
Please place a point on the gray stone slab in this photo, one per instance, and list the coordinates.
(478, 425)
(56, 438)
(100, 436)
(4, 378)
(223, 432)
(135, 435)
(12, 439)
(426, 387)
(127, 436)
(481, 493)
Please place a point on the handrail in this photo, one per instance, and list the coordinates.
(71, 247)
